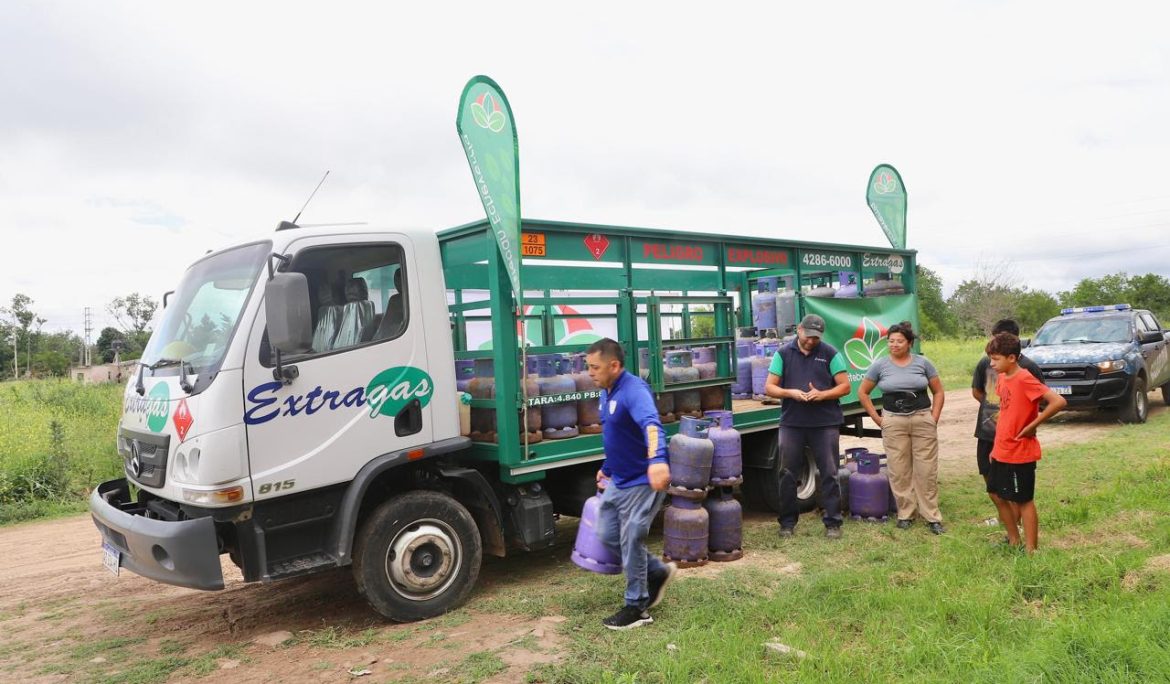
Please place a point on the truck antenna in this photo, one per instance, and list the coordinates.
(311, 194)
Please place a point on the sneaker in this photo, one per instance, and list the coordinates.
(904, 523)
(627, 618)
(832, 533)
(787, 532)
(657, 584)
(935, 528)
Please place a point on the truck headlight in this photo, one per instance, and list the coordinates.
(214, 497)
(1111, 366)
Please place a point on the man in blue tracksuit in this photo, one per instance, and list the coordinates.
(638, 473)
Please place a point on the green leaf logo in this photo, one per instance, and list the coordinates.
(392, 389)
(480, 116)
(885, 183)
(867, 345)
(487, 113)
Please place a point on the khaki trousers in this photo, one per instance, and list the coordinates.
(911, 443)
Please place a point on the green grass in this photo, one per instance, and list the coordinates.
(884, 605)
(955, 360)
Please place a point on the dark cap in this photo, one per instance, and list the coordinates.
(813, 325)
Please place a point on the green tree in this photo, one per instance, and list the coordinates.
(105, 343)
(50, 364)
(133, 312)
(934, 317)
(1034, 307)
(1149, 291)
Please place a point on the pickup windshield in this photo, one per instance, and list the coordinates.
(1084, 331)
(201, 317)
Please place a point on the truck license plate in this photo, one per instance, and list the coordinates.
(1062, 389)
(111, 558)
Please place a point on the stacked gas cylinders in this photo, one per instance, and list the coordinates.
(559, 419)
(869, 489)
(680, 368)
(531, 427)
(786, 308)
(588, 410)
(664, 402)
(483, 386)
(703, 454)
(588, 551)
(764, 303)
(745, 349)
(884, 284)
(766, 348)
(711, 398)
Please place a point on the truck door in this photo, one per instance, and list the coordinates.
(1157, 354)
(363, 390)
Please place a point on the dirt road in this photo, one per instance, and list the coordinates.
(67, 619)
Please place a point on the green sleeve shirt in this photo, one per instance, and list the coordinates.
(837, 365)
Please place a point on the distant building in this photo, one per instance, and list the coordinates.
(107, 372)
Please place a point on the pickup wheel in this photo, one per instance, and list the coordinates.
(762, 485)
(417, 556)
(1137, 405)
(1166, 394)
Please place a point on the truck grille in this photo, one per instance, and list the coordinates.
(144, 456)
(1055, 374)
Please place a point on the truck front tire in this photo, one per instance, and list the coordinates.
(1137, 405)
(762, 485)
(417, 556)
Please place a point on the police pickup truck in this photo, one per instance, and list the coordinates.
(1104, 356)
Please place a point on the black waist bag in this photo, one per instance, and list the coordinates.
(905, 402)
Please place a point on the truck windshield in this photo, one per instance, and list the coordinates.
(1083, 331)
(198, 323)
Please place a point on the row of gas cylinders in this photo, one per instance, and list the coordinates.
(774, 306)
(547, 375)
(706, 457)
(685, 365)
(753, 355)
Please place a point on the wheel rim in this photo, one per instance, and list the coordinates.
(1141, 400)
(806, 486)
(423, 560)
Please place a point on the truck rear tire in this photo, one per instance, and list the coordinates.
(417, 556)
(1137, 405)
(762, 485)
(1166, 394)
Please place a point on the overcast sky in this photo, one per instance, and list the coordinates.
(135, 136)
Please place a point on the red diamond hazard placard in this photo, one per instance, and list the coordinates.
(182, 419)
(596, 244)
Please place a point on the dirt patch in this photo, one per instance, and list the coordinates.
(1150, 576)
(765, 560)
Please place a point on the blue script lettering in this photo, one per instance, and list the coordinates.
(262, 398)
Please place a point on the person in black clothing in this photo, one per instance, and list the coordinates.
(983, 389)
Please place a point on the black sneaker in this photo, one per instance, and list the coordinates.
(627, 618)
(787, 532)
(905, 523)
(657, 584)
(935, 528)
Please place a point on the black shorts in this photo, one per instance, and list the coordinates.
(1014, 482)
(983, 449)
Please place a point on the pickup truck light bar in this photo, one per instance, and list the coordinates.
(1096, 309)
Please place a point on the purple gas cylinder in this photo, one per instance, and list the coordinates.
(588, 551)
(764, 303)
(684, 532)
(727, 460)
(886, 471)
(483, 386)
(848, 468)
(765, 349)
(560, 419)
(869, 488)
(725, 526)
(464, 372)
(691, 455)
(680, 368)
(533, 424)
(745, 349)
(664, 402)
(588, 410)
(710, 398)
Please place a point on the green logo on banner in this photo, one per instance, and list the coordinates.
(157, 407)
(885, 183)
(487, 114)
(392, 389)
(867, 345)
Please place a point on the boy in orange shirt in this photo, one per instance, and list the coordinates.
(1016, 450)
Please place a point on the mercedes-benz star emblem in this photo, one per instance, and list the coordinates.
(135, 459)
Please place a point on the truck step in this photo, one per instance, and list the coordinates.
(301, 566)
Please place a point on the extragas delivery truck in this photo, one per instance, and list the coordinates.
(296, 408)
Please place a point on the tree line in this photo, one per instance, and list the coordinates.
(995, 293)
(26, 351)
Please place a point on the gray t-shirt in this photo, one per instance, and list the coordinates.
(913, 377)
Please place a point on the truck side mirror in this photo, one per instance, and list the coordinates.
(286, 304)
(1151, 337)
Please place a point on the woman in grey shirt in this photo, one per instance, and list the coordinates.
(909, 421)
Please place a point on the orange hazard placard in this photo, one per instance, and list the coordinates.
(532, 244)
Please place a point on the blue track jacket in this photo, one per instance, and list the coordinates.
(630, 431)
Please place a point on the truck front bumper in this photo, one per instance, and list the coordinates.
(1109, 390)
(184, 553)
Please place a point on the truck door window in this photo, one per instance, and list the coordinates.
(356, 295)
(1150, 322)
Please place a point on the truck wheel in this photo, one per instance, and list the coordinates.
(1137, 406)
(1166, 394)
(762, 485)
(417, 556)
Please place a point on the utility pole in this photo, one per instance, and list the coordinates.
(88, 328)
